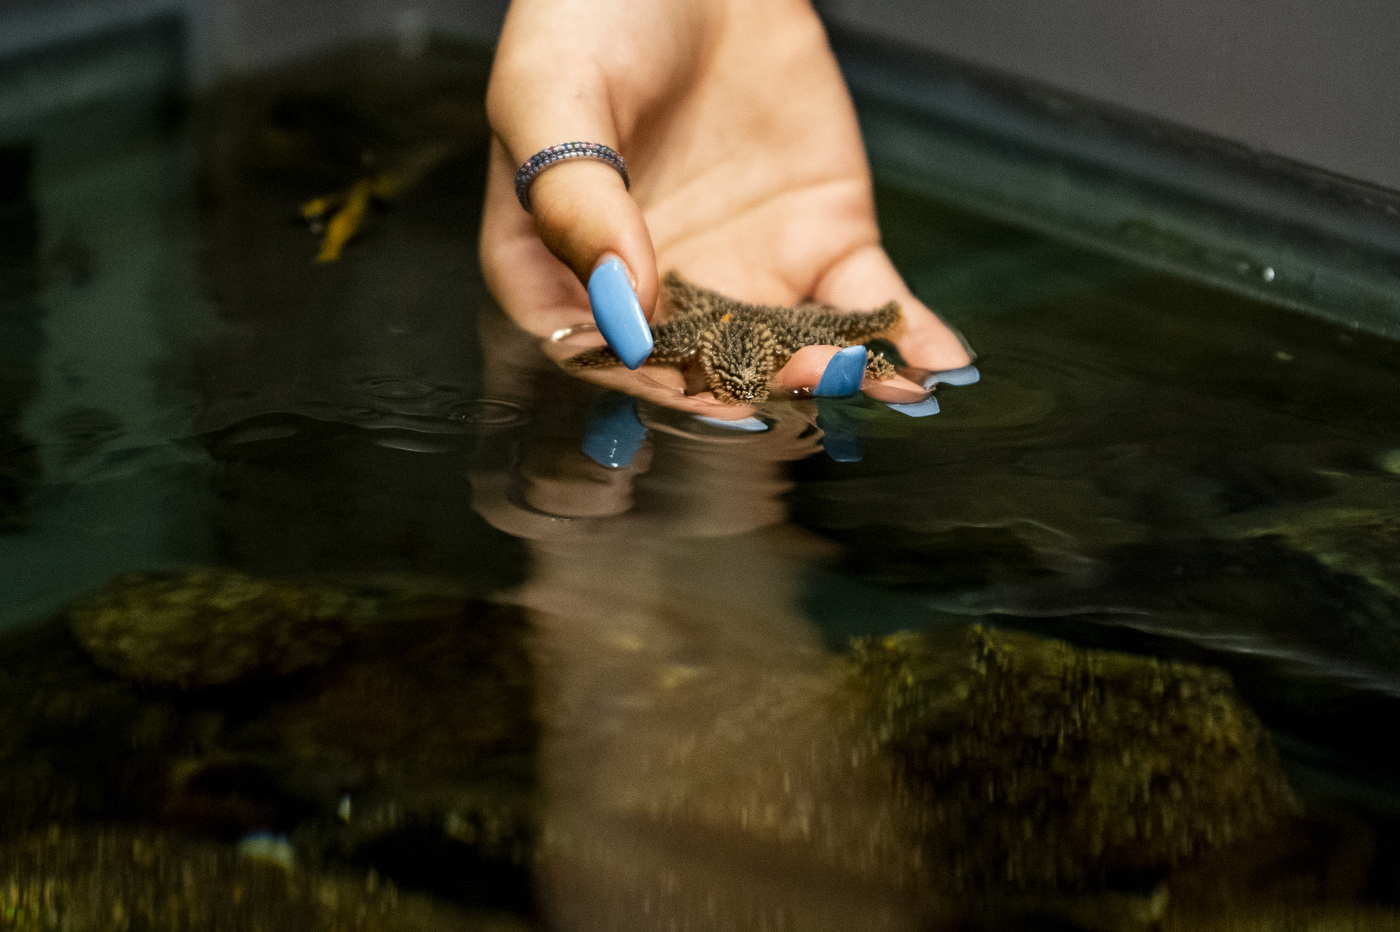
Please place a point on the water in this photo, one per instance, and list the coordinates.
(457, 674)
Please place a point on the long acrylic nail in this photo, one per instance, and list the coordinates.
(618, 313)
(615, 433)
(964, 375)
(917, 409)
(843, 374)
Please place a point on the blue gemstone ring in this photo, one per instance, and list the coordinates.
(566, 150)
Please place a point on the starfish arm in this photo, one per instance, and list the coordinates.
(687, 299)
(601, 357)
(810, 325)
(739, 356)
(678, 338)
(879, 368)
(664, 351)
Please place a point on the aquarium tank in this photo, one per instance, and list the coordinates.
(329, 601)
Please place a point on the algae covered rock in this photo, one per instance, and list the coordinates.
(410, 748)
(209, 627)
(123, 880)
(1046, 767)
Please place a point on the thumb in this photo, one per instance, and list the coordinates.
(580, 207)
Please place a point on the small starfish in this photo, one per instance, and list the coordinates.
(739, 346)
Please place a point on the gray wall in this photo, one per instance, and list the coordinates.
(1312, 81)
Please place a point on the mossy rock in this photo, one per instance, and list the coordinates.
(1046, 767)
(209, 627)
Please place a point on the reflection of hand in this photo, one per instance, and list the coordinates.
(748, 173)
(715, 483)
(686, 704)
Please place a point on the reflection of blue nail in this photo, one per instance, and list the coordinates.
(917, 409)
(746, 423)
(843, 374)
(268, 847)
(614, 432)
(841, 434)
(967, 375)
(618, 314)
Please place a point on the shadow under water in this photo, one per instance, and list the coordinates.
(347, 609)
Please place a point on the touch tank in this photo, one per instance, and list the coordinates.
(330, 602)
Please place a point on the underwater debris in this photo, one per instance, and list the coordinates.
(338, 217)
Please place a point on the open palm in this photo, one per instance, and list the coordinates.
(748, 175)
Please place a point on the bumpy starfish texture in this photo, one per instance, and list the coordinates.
(739, 345)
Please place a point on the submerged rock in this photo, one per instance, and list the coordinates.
(410, 748)
(1045, 767)
(122, 880)
(209, 627)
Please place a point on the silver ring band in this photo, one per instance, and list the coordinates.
(544, 158)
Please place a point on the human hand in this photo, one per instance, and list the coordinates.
(748, 176)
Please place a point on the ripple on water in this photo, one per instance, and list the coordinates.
(1012, 401)
(411, 442)
(487, 414)
(393, 388)
(461, 418)
(261, 432)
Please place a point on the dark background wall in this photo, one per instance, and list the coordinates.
(1315, 82)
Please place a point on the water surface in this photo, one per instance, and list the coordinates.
(466, 661)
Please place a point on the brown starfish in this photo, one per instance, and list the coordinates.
(739, 346)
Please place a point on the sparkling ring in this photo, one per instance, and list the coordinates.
(566, 150)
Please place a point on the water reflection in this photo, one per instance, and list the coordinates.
(708, 763)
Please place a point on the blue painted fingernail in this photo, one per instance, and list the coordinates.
(615, 433)
(618, 313)
(966, 375)
(843, 374)
(917, 409)
(744, 423)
